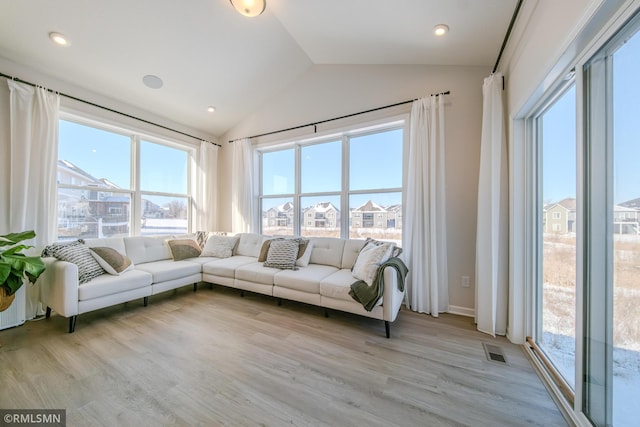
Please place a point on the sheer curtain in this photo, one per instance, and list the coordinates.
(207, 206)
(33, 165)
(492, 256)
(242, 198)
(425, 238)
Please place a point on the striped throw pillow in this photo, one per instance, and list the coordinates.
(77, 253)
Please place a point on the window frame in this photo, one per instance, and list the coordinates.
(343, 135)
(136, 136)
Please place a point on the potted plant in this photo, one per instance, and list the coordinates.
(16, 266)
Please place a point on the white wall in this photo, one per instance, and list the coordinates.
(329, 91)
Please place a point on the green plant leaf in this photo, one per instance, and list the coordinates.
(13, 282)
(5, 270)
(13, 238)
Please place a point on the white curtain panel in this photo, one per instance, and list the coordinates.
(242, 200)
(33, 195)
(492, 255)
(207, 206)
(425, 227)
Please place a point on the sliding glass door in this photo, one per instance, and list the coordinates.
(586, 319)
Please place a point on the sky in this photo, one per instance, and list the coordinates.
(559, 133)
(108, 155)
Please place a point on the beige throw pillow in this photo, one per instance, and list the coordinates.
(184, 248)
(111, 260)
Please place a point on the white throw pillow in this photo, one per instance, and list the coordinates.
(220, 246)
(369, 259)
(304, 259)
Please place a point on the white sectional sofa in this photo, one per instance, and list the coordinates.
(325, 282)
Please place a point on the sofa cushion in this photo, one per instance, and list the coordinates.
(78, 253)
(184, 248)
(338, 285)
(249, 244)
(166, 270)
(220, 246)
(111, 260)
(108, 284)
(283, 254)
(305, 279)
(143, 249)
(256, 272)
(226, 267)
(327, 251)
(352, 248)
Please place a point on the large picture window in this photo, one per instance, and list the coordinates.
(97, 192)
(349, 186)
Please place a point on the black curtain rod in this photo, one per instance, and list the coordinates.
(108, 109)
(314, 124)
(507, 35)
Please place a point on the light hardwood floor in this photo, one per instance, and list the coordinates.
(213, 358)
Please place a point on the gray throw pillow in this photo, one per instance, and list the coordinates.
(283, 254)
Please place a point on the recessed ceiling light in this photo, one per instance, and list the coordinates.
(211, 109)
(153, 82)
(59, 39)
(440, 30)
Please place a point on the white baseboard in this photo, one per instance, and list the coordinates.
(462, 311)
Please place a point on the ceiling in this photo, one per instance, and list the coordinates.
(208, 54)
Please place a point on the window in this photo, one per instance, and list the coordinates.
(310, 187)
(97, 195)
(555, 311)
(163, 185)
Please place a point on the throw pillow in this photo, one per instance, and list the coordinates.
(184, 248)
(304, 253)
(369, 259)
(262, 257)
(111, 260)
(283, 254)
(220, 246)
(77, 253)
(201, 238)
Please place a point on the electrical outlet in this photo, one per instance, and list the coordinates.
(465, 282)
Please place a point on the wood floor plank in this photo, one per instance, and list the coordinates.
(214, 358)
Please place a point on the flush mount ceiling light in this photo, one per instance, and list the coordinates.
(151, 81)
(249, 8)
(59, 39)
(211, 109)
(440, 30)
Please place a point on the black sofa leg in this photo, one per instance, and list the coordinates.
(326, 313)
(242, 294)
(195, 287)
(47, 314)
(72, 324)
(145, 301)
(279, 302)
(386, 328)
(210, 285)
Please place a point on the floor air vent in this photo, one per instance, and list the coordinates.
(494, 353)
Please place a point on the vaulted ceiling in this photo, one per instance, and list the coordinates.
(207, 54)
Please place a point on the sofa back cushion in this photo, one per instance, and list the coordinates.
(351, 250)
(249, 244)
(116, 243)
(143, 249)
(327, 251)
